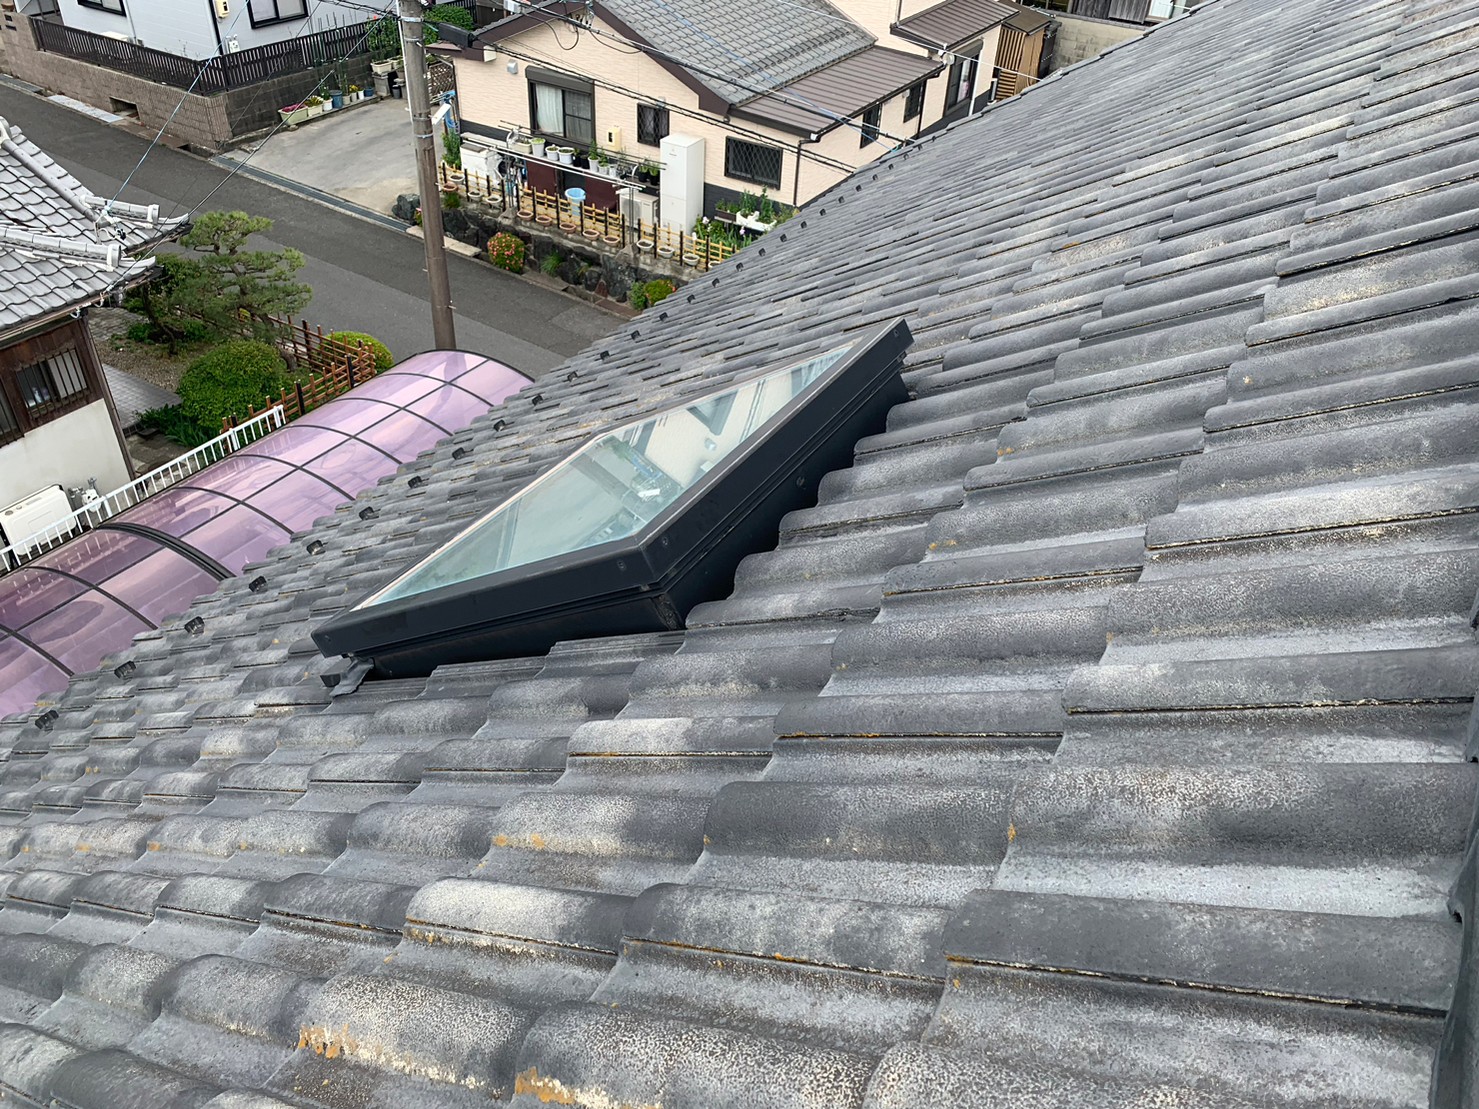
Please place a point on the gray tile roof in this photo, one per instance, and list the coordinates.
(734, 52)
(1098, 738)
(53, 252)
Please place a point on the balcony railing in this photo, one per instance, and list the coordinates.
(94, 513)
(229, 71)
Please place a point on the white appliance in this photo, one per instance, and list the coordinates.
(682, 181)
(637, 205)
(33, 514)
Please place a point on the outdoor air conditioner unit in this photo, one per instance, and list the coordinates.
(33, 514)
(223, 9)
(637, 205)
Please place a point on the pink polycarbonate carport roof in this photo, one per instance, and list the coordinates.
(64, 612)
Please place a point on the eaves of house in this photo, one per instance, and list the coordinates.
(1102, 736)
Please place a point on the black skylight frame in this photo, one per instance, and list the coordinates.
(650, 580)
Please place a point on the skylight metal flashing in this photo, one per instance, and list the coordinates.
(635, 527)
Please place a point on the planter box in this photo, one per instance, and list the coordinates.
(752, 223)
(296, 116)
(383, 68)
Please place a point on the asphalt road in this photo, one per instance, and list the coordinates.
(365, 277)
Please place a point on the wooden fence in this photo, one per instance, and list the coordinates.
(219, 74)
(604, 226)
(328, 368)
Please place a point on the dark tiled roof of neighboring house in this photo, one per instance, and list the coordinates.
(1097, 739)
(954, 21)
(54, 253)
(820, 101)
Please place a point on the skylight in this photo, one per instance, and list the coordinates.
(637, 525)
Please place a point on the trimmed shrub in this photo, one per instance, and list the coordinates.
(383, 358)
(230, 380)
(445, 13)
(506, 251)
(658, 290)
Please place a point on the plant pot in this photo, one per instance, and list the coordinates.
(536, 147)
(521, 147)
(296, 116)
(383, 68)
(336, 98)
(567, 155)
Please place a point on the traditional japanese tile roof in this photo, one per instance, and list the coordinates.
(1099, 738)
(55, 251)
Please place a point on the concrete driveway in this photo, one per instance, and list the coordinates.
(362, 154)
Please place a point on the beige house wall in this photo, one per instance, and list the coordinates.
(491, 96)
(66, 452)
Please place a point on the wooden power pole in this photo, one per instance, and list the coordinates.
(418, 90)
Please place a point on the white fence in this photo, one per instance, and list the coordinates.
(140, 489)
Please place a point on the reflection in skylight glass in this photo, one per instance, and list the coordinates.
(614, 485)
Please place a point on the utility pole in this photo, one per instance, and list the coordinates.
(413, 50)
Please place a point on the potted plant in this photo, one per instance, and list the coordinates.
(314, 104)
(294, 114)
(356, 94)
(518, 144)
(336, 98)
(648, 173)
(536, 146)
(567, 155)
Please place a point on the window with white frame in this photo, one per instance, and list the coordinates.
(114, 6)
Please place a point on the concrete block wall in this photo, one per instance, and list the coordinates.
(211, 122)
(1080, 38)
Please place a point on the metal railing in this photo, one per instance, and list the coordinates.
(206, 76)
(92, 514)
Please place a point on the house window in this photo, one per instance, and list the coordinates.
(652, 124)
(748, 161)
(962, 78)
(567, 113)
(914, 101)
(114, 6)
(871, 119)
(9, 428)
(52, 385)
(263, 12)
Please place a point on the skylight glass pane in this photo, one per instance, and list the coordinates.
(614, 485)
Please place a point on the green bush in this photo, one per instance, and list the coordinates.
(190, 331)
(173, 424)
(383, 358)
(445, 13)
(230, 380)
(658, 290)
(452, 148)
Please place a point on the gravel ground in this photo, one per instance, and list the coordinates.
(109, 327)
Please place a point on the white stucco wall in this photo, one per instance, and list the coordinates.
(187, 27)
(65, 452)
(491, 96)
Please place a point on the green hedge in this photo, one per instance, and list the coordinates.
(230, 380)
(383, 358)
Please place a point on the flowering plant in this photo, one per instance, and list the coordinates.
(506, 251)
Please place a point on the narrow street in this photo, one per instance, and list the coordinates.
(365, 277)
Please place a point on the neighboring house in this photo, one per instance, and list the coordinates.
(203, 28)
(789, 99)
(60, 253)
